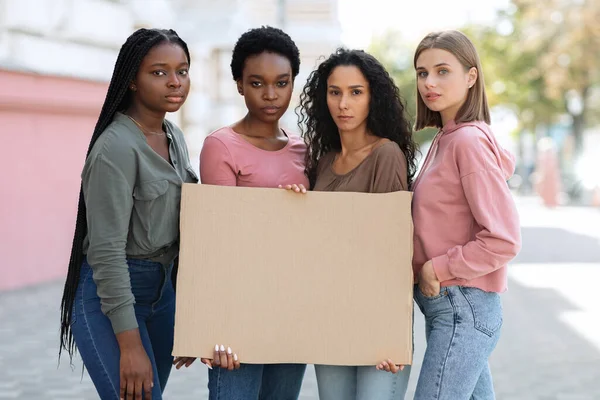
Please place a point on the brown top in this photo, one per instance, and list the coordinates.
(382, 171)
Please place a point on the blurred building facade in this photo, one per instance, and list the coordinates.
(56, 58)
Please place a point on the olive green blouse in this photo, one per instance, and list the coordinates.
(132, 196)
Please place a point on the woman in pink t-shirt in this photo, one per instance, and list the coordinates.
(466, 227)
(256, 152)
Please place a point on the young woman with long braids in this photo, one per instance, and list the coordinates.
(118, 303)
(359, 140)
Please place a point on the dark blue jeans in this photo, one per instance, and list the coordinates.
(256, 382)
(155, 311)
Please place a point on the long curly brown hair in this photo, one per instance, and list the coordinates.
(386, 118)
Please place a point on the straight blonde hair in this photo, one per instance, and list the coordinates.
(475, 107)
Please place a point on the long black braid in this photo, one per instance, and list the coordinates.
(118, 98)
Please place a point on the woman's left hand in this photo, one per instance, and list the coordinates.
(428, 281)
(389, 366)
(179, 362)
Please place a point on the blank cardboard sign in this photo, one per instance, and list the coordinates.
(282, 277)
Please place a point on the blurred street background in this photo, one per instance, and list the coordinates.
(541, 61)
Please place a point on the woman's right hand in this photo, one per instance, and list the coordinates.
(136, 377)
(298, 188)
(225, 358)
(389, 366)
(429, 284)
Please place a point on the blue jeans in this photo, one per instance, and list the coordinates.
(360, 383)
(256, 381)
(155, 311)
(462, 327)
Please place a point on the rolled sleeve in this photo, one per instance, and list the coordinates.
(498, 239)
(441, 266)
(109, 203)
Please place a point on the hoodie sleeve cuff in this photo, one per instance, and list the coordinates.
(123, 320)
(441, 266)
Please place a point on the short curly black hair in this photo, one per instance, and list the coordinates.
(266, 38)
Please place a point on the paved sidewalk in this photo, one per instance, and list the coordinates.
(550, 346)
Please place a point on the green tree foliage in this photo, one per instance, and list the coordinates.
(542, 60)
(397, 57)
(545, 61)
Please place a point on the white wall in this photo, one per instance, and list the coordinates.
(213, 28)
(81, 38)
(63, 37)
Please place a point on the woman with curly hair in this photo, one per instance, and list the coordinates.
(359, 140)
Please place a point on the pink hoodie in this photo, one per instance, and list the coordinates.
(465, 219)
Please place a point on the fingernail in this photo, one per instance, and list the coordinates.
(216, 347)
(235, 357)
(222, 348)
(151, 384)
(229, 350)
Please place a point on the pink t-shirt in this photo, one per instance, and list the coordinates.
(229, 160)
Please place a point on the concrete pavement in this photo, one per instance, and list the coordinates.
(549, 350)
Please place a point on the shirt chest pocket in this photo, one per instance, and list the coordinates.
(149, 191)
(153, 211)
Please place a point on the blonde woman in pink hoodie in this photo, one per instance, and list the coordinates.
(466, 223)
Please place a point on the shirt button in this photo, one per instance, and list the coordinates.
(175, 162)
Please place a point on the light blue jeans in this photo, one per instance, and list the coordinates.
(360, 383)
(462, 327)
